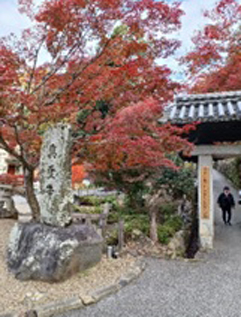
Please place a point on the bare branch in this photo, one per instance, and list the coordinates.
(35, 64)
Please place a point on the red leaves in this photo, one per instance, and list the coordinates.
(14, 180)
(101, 67)
(9, 65)
(26, 6)
(78, 174)
(224, 79)
(213, 32)
(225, 7)
(216, 58)
(133, 139)
(206, 54)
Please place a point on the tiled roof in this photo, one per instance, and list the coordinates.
(211, 107)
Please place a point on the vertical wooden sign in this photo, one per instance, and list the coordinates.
(205, 192)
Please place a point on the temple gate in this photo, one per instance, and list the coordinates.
(218, 136)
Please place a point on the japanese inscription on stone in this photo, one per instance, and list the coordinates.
(205, 192)
(55, 176)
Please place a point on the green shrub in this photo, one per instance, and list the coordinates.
(167, 210)
(163, 233)
(174, 222)
(131, 222)
(96, 201)
(120, 212)
(112, 237)
(86, 210)
(113, 217)
(168, 229)
(231, 168)
(139, 222)
(179, 182)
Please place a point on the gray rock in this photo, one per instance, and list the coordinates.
(55, 176)
(176, 245)
(41, 252)
(136, 234)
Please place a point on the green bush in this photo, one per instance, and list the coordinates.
(167, 210)
(86, 210)
(139, 222)
(168, 229)
(112, 199)
(131, 222)
(171, 222)
(113, 217)
(96, 201)
(174, 222)
(163, 233)
(120, 212)
(112, 237)
(178, 182)
(231, 168)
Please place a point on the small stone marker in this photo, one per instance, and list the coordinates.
(55, 176)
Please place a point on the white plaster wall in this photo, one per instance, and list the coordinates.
(3, 164)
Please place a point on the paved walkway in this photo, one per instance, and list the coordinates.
(210, 287)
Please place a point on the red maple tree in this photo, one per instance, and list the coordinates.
(132, 149)
(134, 139)
(215, 61)
(100, 59)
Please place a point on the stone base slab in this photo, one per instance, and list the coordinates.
(41, 252)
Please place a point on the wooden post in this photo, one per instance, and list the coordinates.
(103, 219)
(121, 235)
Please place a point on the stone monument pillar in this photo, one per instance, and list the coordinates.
(54, 249)
(55, 176)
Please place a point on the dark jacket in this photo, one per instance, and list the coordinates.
(226, 202)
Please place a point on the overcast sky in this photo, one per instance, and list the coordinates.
(12, 21)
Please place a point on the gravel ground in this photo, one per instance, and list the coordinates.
(210, 287)
(16, 295)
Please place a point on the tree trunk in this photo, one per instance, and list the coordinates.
(30, 194)
(153, 227)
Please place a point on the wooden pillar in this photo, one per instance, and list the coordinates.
(121, 235)
(205, 201)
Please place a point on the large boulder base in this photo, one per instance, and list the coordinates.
(41, 252)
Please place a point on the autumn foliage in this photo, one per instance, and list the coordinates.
(135, 140)
(99, 73)
(78, 174)
(215, 62)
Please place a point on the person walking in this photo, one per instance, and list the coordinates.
(226, 203)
